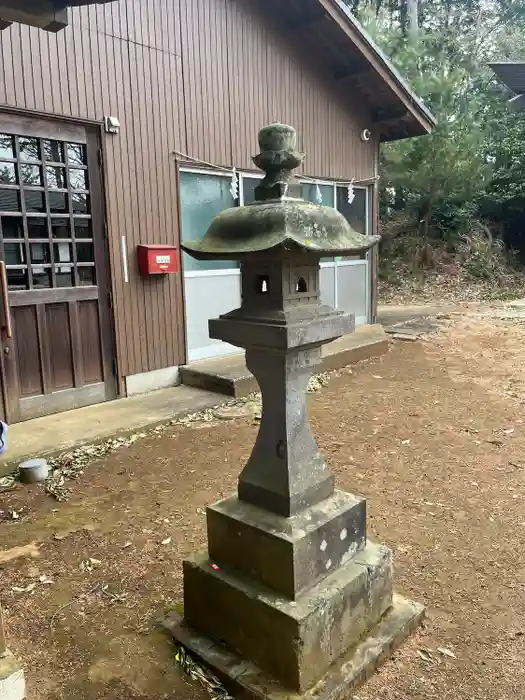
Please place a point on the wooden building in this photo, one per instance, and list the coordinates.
(123, 129)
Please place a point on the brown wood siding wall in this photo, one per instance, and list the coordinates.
(198, 76)
(254, 72)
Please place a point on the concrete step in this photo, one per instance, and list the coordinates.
(229, 375)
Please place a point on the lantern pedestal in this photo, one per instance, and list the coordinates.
(294, 641)
(289, 607)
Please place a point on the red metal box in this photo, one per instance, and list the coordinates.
(157, 259)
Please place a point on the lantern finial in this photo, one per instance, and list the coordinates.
(278, 158)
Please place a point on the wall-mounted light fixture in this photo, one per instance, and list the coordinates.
(111, 125)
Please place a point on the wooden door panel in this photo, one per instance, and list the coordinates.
(91, 342)
(28, 362)
(58, 342)
(45, 404)
(52, 240)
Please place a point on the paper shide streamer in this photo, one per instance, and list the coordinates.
(234, 186)
(197, 673)
(350, 192)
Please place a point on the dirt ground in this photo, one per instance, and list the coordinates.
(432, 434)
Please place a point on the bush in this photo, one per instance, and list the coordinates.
(483, 258)
(467, 267)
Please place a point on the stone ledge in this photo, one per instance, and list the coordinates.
(366, 342)
(245, 680)
(230, 376)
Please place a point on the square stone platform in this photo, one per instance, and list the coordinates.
(246, 680)
(293, 641)
(287, 554)
(229, 375)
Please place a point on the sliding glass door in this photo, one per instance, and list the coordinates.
(345, 282)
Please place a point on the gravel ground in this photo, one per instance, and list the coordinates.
(432, 434)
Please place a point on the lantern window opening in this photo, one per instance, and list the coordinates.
(301, 286)
(262, 284)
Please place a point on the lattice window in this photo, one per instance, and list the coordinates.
(45, 213)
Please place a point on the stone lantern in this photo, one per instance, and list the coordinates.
(12, 681)
(291, 600)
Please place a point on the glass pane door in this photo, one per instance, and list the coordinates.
(356, 212)
(59, 353)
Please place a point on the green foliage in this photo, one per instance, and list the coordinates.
(471, 166)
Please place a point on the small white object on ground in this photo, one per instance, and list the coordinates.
(447, 652)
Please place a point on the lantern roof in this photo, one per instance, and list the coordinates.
(278, 218)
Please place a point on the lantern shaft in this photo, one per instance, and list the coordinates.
(285, 473)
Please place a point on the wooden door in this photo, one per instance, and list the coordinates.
(56, 338)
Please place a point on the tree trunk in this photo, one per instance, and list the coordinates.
(425, 256)
(412, 18)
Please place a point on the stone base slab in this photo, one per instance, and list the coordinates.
(12, 681)
(292, 554)
(245, 680)
(293, 641)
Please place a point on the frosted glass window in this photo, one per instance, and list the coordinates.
(202, 198)
(354, 213)
(309, 192)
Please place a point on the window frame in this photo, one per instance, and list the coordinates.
(46, 214)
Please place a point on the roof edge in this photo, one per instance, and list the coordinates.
(340, 12)
(496, 65)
